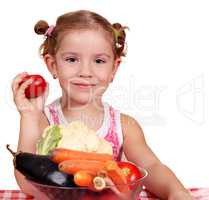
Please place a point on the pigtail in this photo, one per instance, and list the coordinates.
(120, 37)
(43, 28)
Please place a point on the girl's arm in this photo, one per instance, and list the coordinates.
(32, 123)
(31, 128)
(160, 181)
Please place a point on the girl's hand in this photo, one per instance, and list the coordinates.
(181, 196)
(23, 104)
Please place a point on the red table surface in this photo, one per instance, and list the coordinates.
(197, 193)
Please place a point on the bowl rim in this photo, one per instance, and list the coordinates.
(142, 170)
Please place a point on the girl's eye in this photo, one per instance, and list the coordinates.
(71, 60)
(99, 61)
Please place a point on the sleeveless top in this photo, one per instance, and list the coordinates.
(110, 130)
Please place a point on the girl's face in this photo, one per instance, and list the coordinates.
(84, 64)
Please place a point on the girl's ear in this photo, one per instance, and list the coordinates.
(116, 65)
(51, 64)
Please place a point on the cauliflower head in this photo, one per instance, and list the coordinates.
(76, 136)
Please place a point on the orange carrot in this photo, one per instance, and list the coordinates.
(88, 179)
(99, 183)
(60, 154)
(115, 174)
(83, 178)
(73, 166)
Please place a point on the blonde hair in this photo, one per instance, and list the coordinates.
(79, 20)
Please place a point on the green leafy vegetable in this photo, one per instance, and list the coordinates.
(49, 140)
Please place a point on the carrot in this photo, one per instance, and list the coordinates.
(99, 183)
(88, 179)
(83, 178)
(115, 174)
(73, 166)
(60, 154)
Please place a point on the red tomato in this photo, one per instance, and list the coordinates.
(131, 172)
(36, 88)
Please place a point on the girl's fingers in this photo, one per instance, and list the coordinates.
(23, 86)
(17, 80)
(46, 93)
(19, 87)
(40, 101)
(113, 187)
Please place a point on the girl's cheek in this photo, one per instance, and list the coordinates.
(65, 85)
(66, 81)
(104, 76)
(105, 80)
(64, 76)
(67, 73)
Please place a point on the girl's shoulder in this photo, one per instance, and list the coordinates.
(129, 125)
(126, 122)
(127, 119)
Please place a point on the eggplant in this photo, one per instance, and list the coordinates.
(41, 169)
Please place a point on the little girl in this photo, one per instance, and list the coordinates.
(83, 52)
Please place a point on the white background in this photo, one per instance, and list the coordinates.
(162, 82)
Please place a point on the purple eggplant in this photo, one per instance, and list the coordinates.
(41, 169)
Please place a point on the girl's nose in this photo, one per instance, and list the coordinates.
(85, 71)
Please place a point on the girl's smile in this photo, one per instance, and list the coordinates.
(84, 86)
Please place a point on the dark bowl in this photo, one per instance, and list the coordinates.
(110, 192)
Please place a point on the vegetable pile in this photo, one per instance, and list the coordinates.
(91, 168)
(71, 168)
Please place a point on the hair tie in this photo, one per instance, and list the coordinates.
(118, 33)
(49, 31)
